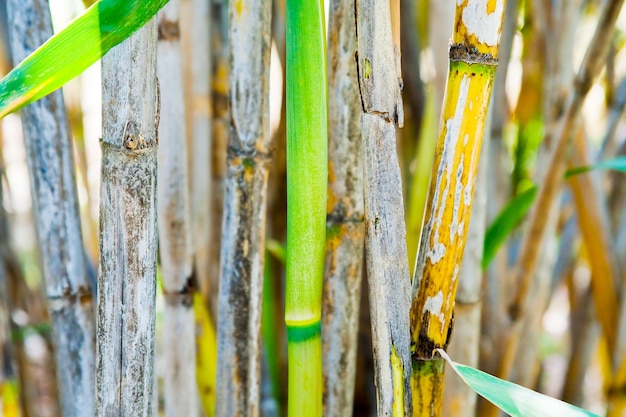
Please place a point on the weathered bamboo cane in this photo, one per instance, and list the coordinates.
(345, 227)
(57, 219)
(174, 222)
(386, 253)
(128, 228)
(243, 227)
(473, 60)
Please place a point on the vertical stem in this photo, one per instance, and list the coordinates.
(345, 225)
(57, 220)
(174, 222)
(386, 253)
(128, 229)
(243, 227)
(473, 60)
(307, 176)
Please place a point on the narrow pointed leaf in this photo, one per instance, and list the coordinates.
(615, 164)
(71, 51)
(512, 398)
(504, 224)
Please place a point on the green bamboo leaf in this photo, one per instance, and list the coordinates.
(68, 53)
(616, 164)
(504, 224)
(512, 398)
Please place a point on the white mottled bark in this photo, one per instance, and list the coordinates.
(345, 223)
(175, 244)
(128, 229)
(459, 399)
(57, 220)
(386, 253)
(243, 227)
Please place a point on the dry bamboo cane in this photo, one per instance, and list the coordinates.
(128, 229)
(174, 222)
(57, 219)
(473, 60)
(200, 92)
(345, 227)
(604, 294)
(386, 253)
(243, 228)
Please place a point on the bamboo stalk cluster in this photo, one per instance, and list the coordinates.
(191, 262)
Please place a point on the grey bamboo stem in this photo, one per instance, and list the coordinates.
(128, 229)
(57, 220)
(243, 227)
(200, 132)
(386, 253)
(345, 222)
(175, 243)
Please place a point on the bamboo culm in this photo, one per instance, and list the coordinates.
(51, 164)
(345, 227)
(128, 229)
(243, 227)
(175, 243)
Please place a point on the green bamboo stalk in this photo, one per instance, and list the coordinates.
(57, 219)
(307, 175)
(175, 245)
(345, 223)
(128, 229)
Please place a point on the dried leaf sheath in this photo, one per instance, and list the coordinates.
(128, 229)
(345, 224)
(51, 164)
(243, 227)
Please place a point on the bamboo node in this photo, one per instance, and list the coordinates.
(470, 55)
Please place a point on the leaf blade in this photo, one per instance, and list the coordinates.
(504, 224)
(511, 398)
(68, 53)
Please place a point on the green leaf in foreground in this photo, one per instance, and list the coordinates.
(512, 398)
(616, 164)
(504, 224)
(68, 53)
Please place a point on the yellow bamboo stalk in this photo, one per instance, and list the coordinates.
(473, 60)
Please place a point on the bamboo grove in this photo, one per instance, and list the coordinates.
(312, 208)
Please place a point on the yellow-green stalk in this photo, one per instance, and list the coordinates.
(473, 60)
(307, 174)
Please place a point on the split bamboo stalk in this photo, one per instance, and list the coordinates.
(243, 227)
(532, 243)
(57, 219)
(128, 229)
(175, 244)
(459, 399)
(386, 252)
(345, 228)
(473, 60)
